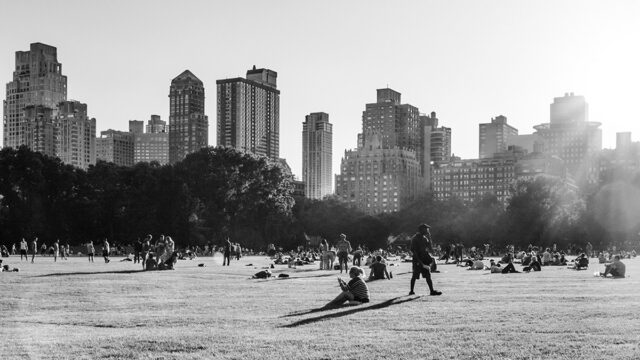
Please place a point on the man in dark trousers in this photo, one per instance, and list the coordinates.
(420, 247)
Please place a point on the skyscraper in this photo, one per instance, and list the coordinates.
(37, 81)
(389, 169)
(439, 139)
(495, 137)
(317, 137)
(249, 113)
(188, 125)
(570, 135)
(76, 140)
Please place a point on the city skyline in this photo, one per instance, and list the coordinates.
(467, 61)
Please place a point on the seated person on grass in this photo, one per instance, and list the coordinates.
(379, 270)
(356, 291)
(170, 262)
(581, 262)
(151, 263)
(533, 265)
(616, 269)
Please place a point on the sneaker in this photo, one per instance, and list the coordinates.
(411, 293)
(436, 293)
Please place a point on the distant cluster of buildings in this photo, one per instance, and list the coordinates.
(401, 153)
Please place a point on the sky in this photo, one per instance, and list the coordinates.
(467, 60)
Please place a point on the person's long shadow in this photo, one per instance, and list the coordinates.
(358, 309)
(90, 273)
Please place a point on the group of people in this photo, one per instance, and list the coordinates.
(26, 249)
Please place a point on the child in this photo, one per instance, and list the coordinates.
(356, 291)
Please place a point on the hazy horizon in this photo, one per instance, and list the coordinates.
(466, 60)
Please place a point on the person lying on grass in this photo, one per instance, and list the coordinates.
(616, 269)
(496, 268)
(356, 291)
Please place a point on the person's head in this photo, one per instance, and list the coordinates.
(355, 271)
(616, 258)
(423, 228)
(343, 237)
(378, 258)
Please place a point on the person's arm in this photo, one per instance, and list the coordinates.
(386, 273)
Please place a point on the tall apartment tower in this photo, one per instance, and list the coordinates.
(388, 170)
(154, 144)
(76, 140)
(188, 125)
(495, 136)
(570, 135)
(38, 130)
(317, 138)
(37, 81)
(439, 139)
(249, 113)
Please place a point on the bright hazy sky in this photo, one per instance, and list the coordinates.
(468, 60)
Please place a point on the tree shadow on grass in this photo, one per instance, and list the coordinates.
(381, 305)
(90, 273)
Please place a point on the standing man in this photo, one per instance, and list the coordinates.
(23, 249)
(34, 248)
(344, 248)
(146, 249)
(420, 247)
(90, 250)
(137, 250)
(105, 251)
(227, 253)
(56, 250)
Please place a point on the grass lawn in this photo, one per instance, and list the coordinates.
(74, 309)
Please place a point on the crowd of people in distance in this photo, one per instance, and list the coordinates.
(162, 254)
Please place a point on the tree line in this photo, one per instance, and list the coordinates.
(219, 192)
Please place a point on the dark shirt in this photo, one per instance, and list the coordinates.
(359, 289)
(420, 245)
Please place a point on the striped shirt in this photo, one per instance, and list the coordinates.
(359, 289)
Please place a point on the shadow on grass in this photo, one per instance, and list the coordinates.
(312, 320)
(90, 273)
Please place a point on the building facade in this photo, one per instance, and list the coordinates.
(439, 139)
(188, 125)
(152, 145)
(495, 137)
(37, 81)
(76, 140)
(38, 130)
(378, 180)
(116, 147)
(570, 136)
(390, 168)
(248, 114)
(317, 145)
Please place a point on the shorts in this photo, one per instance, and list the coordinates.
(420, 270)
(105, 253)
(90, 254)
(23, 252)
(343, 256)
